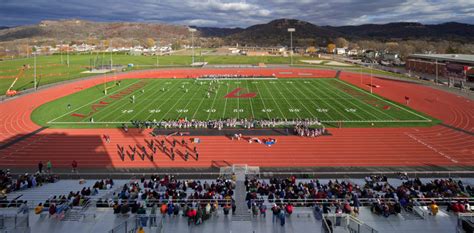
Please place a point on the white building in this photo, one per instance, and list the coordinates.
(340, 51)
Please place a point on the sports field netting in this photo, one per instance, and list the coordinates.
(331, 100)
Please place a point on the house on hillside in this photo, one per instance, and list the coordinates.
(391, 57)
(353, 52)
(340, 51)
(371, 54)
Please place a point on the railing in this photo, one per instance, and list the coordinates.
(348, 222)
(465, 223)
(205, 174)
(15, 222)
(144, 220)
(296, 202)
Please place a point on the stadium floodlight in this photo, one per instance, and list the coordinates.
(192, 30)
(291, 30)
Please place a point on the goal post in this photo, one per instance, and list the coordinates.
(106, 84)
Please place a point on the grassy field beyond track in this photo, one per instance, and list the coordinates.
(330, 100)
(51, 69)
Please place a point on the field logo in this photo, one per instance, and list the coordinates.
(235, 94)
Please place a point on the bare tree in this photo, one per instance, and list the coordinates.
(341, 43)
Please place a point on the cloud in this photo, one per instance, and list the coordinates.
(238, 13)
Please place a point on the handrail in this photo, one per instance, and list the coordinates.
(217, 173)
(296, 202)
(19, 221)
(131, 224)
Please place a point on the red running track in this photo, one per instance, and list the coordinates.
(434, 146)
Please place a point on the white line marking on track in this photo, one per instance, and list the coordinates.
(431, 147)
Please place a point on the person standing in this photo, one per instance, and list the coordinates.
(282, 217)
(49, 166)
(40, 167)
(153, 215)
(74, 166)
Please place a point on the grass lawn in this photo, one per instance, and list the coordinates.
(51, 70)
(330, 100)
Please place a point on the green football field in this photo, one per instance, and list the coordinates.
(328, 99)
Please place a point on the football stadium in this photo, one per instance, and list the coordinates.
(283, 141)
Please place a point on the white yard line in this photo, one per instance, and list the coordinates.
(362, 108)
(302, 104)
(327, 104)
(189, 101)
(263, 102)
(328, 121)
(312, 100)
(199, 106)
(278, 106)
(238, 108)
(225, 103)
(213, 101)
(291, 106)
(172, 106)
(125, 100)
(232, 79)
(250, 99)
(152, 102)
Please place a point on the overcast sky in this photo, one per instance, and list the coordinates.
(244, 13)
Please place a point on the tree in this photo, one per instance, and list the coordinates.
(149, 42)
(311, 50)
(331, 47)
(341, 43)
(104, 44)
(406, 50)
(392, 47)
(176, 45)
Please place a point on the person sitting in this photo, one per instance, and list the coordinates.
(434, 208)
(289, 209)
(124, 209)
(52, 209)
(227, 208)
(39, 208)
(347, 208)
(164, 209)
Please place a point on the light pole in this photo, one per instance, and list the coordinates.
(192, 30)
(68, 55)
(61, 52)
(371, 80)
(111, 53)
(291, 30)
(157, 47)
(34, 69)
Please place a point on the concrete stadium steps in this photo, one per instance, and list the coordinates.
(61, 187)
(42, 193)
(241, 214)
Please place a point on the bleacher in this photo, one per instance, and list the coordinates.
(303, 219)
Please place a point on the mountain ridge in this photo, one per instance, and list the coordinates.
(265, 34)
